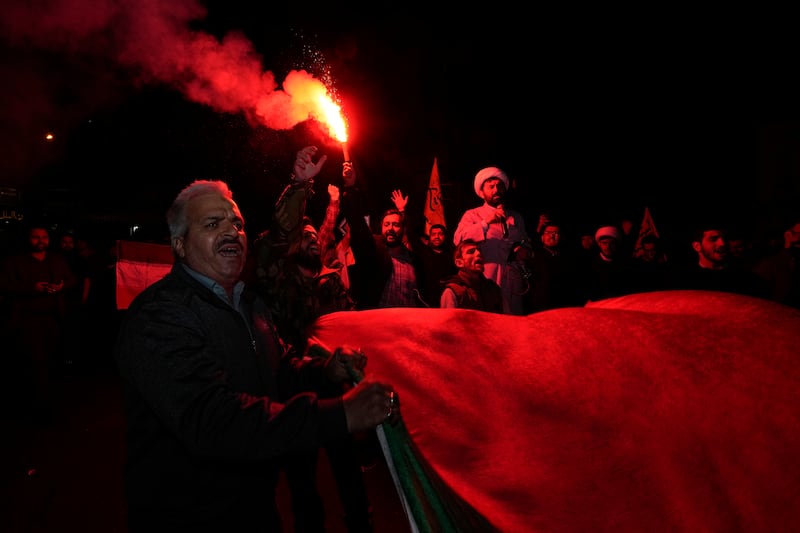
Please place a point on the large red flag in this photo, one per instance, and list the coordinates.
(667, 431)
(434, 210)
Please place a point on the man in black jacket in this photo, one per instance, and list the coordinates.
(202, 366)
(386, 269)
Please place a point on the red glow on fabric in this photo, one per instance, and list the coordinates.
(650, 412)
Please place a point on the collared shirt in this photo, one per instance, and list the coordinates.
(217, 289)
(401, 287)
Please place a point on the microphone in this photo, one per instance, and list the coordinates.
(503, 223)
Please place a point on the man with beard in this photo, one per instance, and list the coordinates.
(436, 259)
(291, 279)
(713, 271)
(288, 264)
(434, 256)
(387, 270)
(500, 231)
(554, 271)
(469, 288)
(300, 290)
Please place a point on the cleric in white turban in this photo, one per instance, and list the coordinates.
(500, 231)
(486, 173)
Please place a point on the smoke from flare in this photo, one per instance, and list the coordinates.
(153, 40)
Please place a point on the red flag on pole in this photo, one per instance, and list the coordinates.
(434, 210)
(648, 227)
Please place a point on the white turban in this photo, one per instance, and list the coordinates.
(485, 174)
(607, 231)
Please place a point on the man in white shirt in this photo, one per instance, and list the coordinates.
(502, 237)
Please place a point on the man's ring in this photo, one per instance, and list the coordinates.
(392, 399)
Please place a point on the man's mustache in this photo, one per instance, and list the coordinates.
(228, 241)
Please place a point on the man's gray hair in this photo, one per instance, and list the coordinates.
(176, 214)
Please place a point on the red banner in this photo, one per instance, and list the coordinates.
(138, 265)
(434, 210)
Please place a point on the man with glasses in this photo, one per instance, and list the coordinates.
(554, 280)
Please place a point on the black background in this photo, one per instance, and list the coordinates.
(593, 114)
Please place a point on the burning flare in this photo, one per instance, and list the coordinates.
(310, 98)
(330, 114)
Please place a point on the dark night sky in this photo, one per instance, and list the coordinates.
(595, 115)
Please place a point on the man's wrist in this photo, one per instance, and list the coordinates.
(301, 182)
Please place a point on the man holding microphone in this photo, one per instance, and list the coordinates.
(501, 233)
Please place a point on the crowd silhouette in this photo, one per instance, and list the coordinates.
(556, 261)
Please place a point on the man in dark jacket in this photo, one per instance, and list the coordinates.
(436, 262)
(289, 276)
(202, 366)
(386, 270)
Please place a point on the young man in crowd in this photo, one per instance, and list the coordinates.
(469, 288)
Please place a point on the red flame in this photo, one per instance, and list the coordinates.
(333, 118)
(308, 97)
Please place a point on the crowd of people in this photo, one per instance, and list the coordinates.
(57, 312)
(223, 387)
